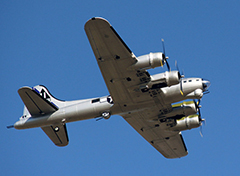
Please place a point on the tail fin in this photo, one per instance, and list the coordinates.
(44, 93)
(38, 101)
(26, 112)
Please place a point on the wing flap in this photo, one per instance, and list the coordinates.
(57, 133)
(35, 103)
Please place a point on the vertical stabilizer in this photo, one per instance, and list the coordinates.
(26, 112)
(38, 101)
(45, 94)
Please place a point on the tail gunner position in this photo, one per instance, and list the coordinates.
(147, 102)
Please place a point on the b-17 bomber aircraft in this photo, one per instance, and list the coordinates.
(152, 104)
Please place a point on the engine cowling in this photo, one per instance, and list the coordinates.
(148, 61)
(183, 109)
(164, 79)
(197, 94)
(187, 123)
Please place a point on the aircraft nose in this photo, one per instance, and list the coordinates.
(206, 84)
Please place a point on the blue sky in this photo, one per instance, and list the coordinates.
(43, 42)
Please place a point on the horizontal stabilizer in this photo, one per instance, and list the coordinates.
(57, 133)
(36, 104)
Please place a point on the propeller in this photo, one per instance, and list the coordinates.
(181, 76)
(201, 120)
(169, 69)
(164, 56)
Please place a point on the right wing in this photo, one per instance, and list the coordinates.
(57, 133)
(169, 143)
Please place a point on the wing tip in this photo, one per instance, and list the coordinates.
(177, 156)
(23, 88)
(97, 19)
(62, 144)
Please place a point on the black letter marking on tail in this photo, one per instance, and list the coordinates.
(45, 95)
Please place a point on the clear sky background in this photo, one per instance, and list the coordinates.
(44, 42)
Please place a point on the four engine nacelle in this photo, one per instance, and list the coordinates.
(187, 123)
(183, 120)
(153, 60)
(164, 79)
(148, 61)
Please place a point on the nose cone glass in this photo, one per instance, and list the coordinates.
(206, 84)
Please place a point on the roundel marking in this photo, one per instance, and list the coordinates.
(109, 99)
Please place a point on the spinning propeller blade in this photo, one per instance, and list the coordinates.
(181, 76)
(176, 65)
(169, 69)
(201, 120)
(164, 56)
(163, 46)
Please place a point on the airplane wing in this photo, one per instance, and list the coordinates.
(57, 133)
(115, 59)
(36, 104)
(169, 143)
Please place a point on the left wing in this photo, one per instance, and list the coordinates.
(57, 133)
(114, 59)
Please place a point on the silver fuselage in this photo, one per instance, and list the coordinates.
(70, 111)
